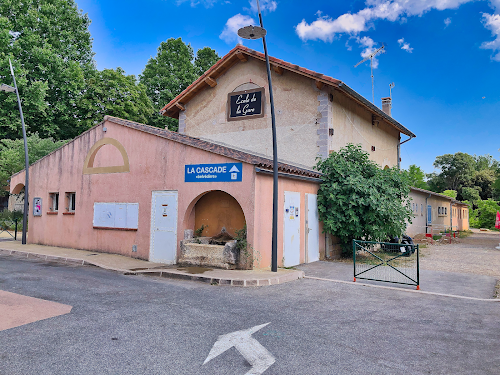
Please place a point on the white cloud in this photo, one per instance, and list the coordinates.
(206, 3)
(495, 4)
(447, 22)
(326, 28)
(265, 5)
(230, 32)
(492, 22)
(405, 46)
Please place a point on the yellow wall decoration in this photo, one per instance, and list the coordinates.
(88, 166)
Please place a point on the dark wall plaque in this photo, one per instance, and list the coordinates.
(245, 104)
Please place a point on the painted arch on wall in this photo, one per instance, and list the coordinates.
(88, 166)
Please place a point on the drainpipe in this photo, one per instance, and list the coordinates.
(399, 150)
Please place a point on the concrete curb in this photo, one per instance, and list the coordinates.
(357, 283)
(275, 280)
(66, 260)
(172, 274)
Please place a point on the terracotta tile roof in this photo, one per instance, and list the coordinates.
(438, 195)
(242, 156)
(234, 56)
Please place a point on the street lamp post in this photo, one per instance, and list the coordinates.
(8, 88)
(255, 32)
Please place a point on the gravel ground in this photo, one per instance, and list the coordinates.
(475, 254)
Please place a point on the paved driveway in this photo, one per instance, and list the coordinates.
(137, 325)
(475, 254)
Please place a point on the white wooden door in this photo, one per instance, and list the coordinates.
(291, 240)
(312, 228)
(163, 243)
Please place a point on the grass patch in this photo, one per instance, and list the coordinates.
(464, 233)
(436, 237)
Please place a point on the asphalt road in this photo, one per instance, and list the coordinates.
(141, 325)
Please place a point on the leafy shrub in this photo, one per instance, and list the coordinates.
(485, 214)
(359, 200)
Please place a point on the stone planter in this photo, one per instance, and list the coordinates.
(197, 252)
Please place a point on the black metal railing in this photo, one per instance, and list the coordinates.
(6, 225)
(388, 262)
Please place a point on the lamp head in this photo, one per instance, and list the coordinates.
(252, 32)
(7, 88)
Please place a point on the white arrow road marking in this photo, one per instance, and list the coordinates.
(259, 357)
(234, 169)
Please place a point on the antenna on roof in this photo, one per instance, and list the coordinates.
(391, 86)
(370, 57)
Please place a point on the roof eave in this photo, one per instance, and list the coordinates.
(373, 108)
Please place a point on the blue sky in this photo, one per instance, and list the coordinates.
(442, 55)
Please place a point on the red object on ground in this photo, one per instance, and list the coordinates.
(497, 222)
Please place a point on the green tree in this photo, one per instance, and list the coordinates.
(471, 194)
(166, 76)
(486, 162)
(483, 181)
(496, 189)
(436, 182)
(169, 73)
(457, 170)
(205, 58)
(359, 200)
(111, 92)
(12, 155)
(486, 214)
(450, 193)
(416, 177)
(51, 50)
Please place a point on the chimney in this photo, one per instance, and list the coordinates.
(387, 105)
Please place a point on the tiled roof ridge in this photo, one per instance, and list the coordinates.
(337, 84)
(214, 148)
(437, 194)
(253, 52)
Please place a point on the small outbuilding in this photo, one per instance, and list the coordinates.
(434, 212)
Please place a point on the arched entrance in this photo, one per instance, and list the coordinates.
(215, 210)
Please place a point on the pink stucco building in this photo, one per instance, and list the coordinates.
(121, 188)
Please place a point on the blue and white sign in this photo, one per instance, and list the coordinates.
(227, 172)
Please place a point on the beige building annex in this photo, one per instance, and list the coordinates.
(434, 213)
(315, 114)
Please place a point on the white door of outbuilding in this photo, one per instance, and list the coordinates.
(312, 228)
(291, 237)
(163, 242)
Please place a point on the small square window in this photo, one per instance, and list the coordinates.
(70, 202)
(54, 201)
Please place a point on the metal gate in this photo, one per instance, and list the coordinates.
(5, 226)
(388, 262)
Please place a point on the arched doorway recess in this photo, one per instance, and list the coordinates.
(217, 209)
